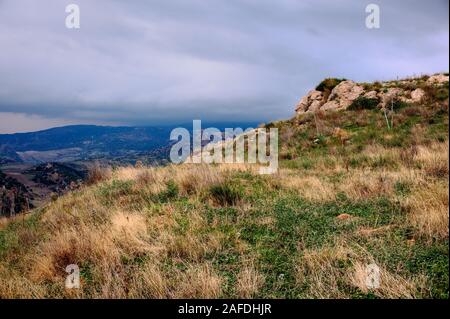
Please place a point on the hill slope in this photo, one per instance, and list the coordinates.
(352, 191)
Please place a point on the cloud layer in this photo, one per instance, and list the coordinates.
(151, 62)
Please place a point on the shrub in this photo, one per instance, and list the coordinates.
(437, 93)
(287, 155)
(363, 103)
(442, 94)
(398, 105)
(376, 86)
(98, 173)
(225, 194)
(170, 192)
(438, 169)
(383, 162)
(328, 84)
(402, 188)
(146, 177)
(304, 118)
(110, 192)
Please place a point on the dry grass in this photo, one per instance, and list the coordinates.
(429, 210)
(391, 285)
(310, 187)
(72, 246)
(363, 185)
(98, 173)
(191, 178)
(416, 167)
(319, 269)
(434, 159)
(4, 221)
(198, 177)
(83, 231)
(150, 283)
(15, 285)
(198, 281)
(129, 235)
(129, 231)
(249, 281)
(127, 244)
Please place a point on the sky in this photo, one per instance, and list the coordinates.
(171, 61)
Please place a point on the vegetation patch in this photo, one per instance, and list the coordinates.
(364, 103)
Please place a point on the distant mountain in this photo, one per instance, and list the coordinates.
(8, 155)
(123, 144)
(81, 142)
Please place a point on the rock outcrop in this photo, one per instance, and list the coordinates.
(417, 95)
(437, 79)
(381, 94)
(310, 102)
(343, 95)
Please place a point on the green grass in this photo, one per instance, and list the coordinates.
(226, 194)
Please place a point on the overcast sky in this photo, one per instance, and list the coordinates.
(168, 61)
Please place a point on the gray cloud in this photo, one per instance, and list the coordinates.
(152, 62)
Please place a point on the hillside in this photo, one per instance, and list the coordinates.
(23, 186)
(14, 196)
(362, 182)
(56, 176)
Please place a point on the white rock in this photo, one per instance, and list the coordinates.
(417, 95)
(343, 95)
(437, 79)
(311, 102)
(391, 94)
(330, 105)
(371, 95)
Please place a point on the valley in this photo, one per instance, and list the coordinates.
(31, 185)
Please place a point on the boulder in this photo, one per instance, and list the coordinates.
(371, 95)
(310, 103)
(437, 79)
(389, 95)
(417, 95)
(343, 95)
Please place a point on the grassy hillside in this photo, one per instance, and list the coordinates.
(350, 192)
